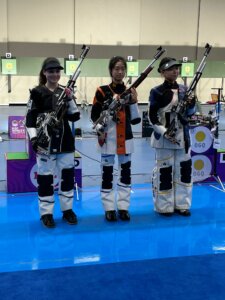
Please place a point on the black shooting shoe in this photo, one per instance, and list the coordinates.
(183, 212)
(124, 215)
(70, 217)
(110, 215)
(48, 220)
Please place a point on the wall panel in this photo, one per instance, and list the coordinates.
(211, 27)
(3, 26)
(212, 23)
(3, 20)
(171, 22)
(41, 21)
(106, 22)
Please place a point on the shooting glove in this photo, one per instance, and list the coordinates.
(34, 144)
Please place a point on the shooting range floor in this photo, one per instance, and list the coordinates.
(27, 245)
(149, 257)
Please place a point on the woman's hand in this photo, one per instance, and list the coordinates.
(191, 101)
(69, 93)
(133, 96)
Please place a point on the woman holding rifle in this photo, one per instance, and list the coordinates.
(115, 138)
(172, 176)
(60, 160)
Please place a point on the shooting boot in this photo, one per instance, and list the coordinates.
(48, 220)
(70, 217)
(124, 215)
(110, 215)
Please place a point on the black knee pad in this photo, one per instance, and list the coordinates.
(107, 177)
(67, 183)
(165, 177)
(45, 185)
(125, 175)
(185, 171)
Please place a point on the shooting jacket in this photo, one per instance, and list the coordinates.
(162, 99)
(119, 136)
(42, 101)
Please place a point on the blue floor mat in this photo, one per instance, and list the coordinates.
(183, 278)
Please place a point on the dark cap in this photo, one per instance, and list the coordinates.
(168, 62)
(51, 63)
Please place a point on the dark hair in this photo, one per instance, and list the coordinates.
(42, 78)
(114, 60)
(48, 63)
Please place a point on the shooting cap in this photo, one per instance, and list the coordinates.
(51, 63)
(168, 62)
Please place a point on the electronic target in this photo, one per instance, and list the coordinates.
(201, 167)
(201, 139)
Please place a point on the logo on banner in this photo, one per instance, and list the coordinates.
(201, 167)
(201, 139)
(17, 127)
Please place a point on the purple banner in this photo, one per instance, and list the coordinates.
(22, 175)
(16, 127)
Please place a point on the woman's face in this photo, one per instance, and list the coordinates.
(52, 75)
(118, 72)
(171, 74)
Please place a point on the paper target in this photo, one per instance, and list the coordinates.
(201, 139)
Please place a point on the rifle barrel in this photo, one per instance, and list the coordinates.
(146, 71)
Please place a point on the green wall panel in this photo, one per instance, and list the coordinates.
(28, 66)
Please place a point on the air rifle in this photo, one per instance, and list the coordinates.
(183, 104)
(116, 103)
(52, 120)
